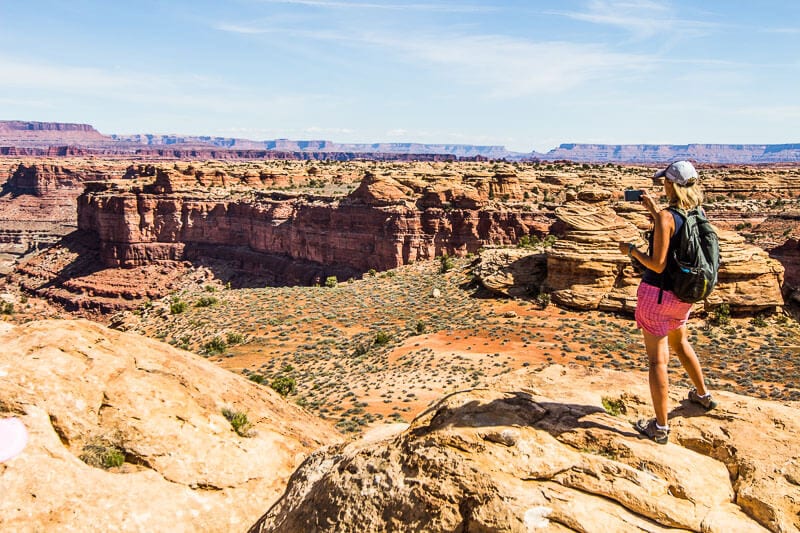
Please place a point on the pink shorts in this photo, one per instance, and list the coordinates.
(659, 318)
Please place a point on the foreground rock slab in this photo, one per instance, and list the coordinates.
(539, 452)
(79, 388)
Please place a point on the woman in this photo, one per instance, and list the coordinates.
(659, 313)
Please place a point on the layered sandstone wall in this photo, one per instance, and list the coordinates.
(136, 228)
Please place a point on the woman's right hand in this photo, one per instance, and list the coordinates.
(650, 204)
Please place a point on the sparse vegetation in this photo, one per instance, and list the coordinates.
(284, 385)
(239, 422)
(614, 407)
(177, 307)
(102, 453)
(356, 352)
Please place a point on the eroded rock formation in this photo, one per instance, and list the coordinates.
(585, 269)
(82, 389)
(289, 222)
(378, 227)
(540, 451)
(38, 206)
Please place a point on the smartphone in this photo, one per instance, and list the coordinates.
(633, 196)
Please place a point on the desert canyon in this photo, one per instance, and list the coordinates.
(218, 335)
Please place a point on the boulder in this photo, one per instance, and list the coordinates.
(538, 450)
(585, 269)
(176, 463)
(511, 271)
(380, 191)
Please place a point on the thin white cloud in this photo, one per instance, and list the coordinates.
(429, 6)
(27, 102)
(788, 113)
(317, 130)
(788, 31)
(507, 67)
(641, 18)
(239, 28)
(179, 91)
(511, 67)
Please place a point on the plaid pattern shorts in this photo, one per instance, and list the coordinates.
(659, 318)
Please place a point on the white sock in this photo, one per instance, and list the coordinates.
(662, 428)
(704, 396)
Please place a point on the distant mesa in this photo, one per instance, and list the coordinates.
(27, 138)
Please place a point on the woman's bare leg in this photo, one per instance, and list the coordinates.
(657, 359)
(679, 342)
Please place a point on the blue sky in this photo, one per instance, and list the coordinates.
(527, 75)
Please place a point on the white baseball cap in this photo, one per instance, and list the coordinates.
(680, 173)
(13, 438)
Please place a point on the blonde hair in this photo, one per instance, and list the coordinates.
(686, 198)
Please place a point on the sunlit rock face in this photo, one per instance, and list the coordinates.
(82, 389)
(585, 269)
(538, 450)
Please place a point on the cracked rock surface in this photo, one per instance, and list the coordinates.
(78, 386)
(539, 451)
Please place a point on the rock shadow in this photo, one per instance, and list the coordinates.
(85, 246)
(518, 409)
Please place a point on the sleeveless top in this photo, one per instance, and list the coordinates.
(651, 277)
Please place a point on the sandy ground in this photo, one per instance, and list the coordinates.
(381, 349)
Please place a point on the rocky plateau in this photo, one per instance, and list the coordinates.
(271, 223)
(29, 138)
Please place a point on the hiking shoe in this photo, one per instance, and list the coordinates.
(648, 429)
(706, 403)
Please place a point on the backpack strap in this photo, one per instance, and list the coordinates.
(683, 214)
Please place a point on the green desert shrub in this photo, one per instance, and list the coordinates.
(206, 301)
(543, 299)
(284, 385)
(239, 422)
(528, 241)
(177, 307)
(234, 338)
(614, 407)
(215, 346)
(382, 338)
(446, 263)
(721, 315)
(258, 378)
(102, 454)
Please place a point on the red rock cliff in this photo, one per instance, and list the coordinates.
(138, 227)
